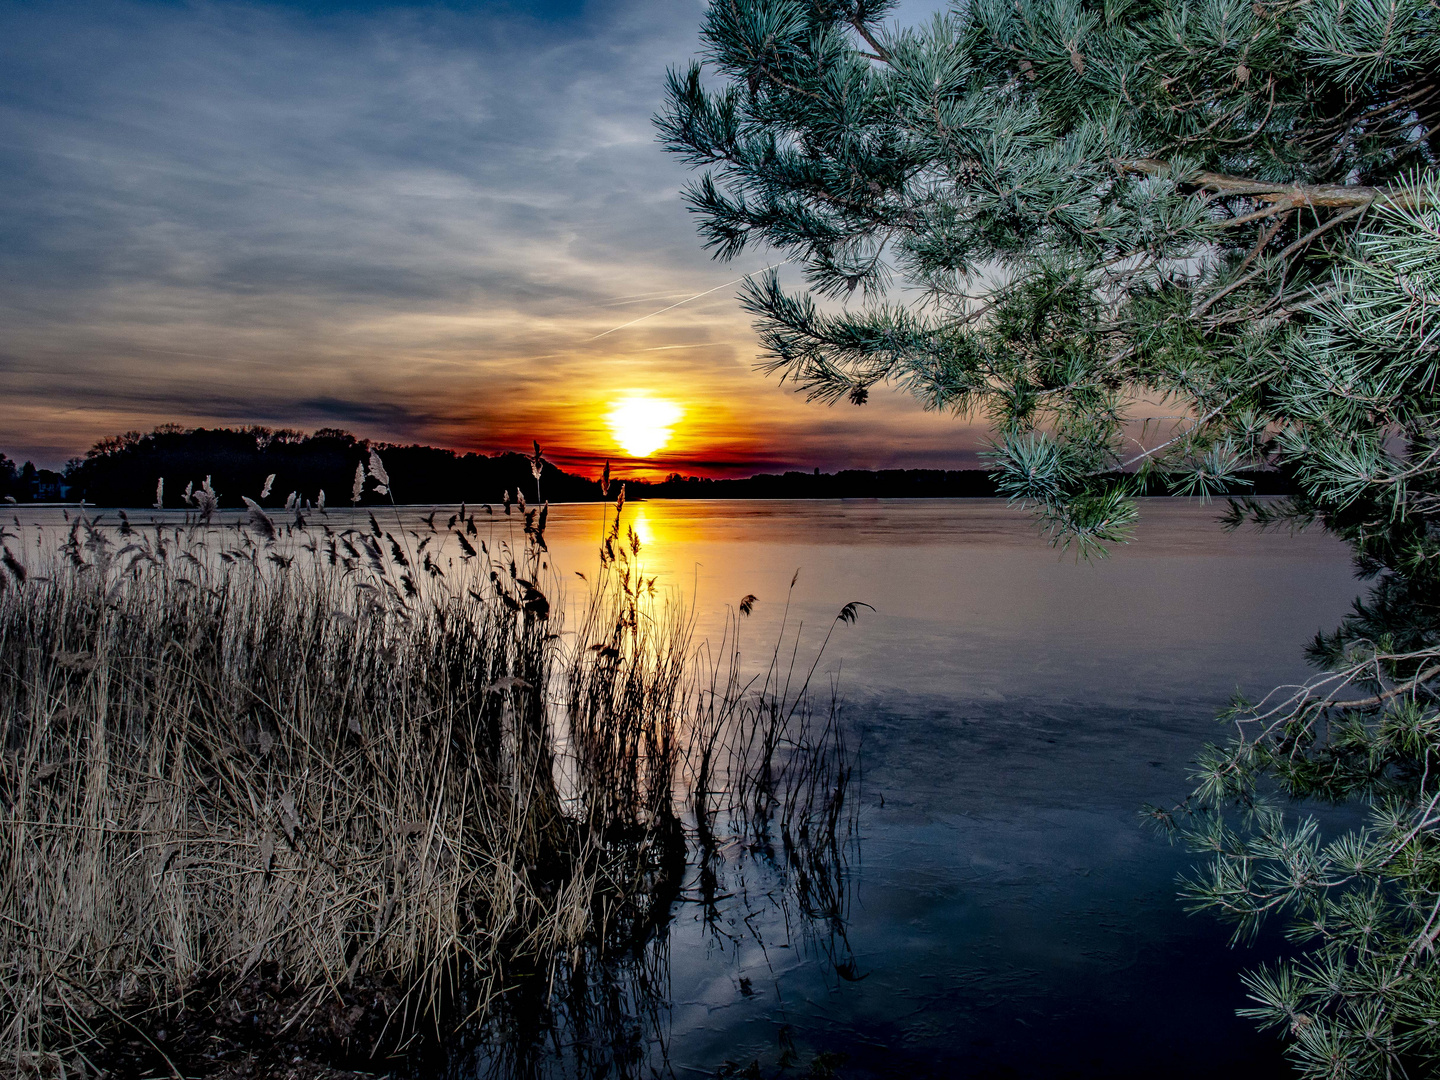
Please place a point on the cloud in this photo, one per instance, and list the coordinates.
(410, 220)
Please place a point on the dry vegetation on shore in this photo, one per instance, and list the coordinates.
(351, 758)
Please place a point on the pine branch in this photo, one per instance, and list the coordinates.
(1289, 195)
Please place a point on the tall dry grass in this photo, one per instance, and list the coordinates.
(356, 753)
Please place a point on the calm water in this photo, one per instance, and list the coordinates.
(1014, 708)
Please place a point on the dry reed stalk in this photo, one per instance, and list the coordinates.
(228, 750)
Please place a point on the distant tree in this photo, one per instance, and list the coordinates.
(29, 476)
(114, 444)
(338, 434)
(9, 478)
(1068, 216)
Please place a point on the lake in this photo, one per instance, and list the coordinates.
(1012, 708)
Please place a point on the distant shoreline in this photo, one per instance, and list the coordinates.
(239, 511)
(330, 467)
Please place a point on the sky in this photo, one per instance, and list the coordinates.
(433, 223)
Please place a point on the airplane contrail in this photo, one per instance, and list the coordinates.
(678, 303)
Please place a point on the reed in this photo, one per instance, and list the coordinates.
(350, 756)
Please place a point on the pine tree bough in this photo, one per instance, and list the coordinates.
(1031, 171)
(1149, 245)
(1330, 196)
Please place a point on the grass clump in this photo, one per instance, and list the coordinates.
(355, 764)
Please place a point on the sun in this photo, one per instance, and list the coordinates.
(642, 424)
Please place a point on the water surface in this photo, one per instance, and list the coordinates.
(1013, 709)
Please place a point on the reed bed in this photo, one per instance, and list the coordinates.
(356, 756)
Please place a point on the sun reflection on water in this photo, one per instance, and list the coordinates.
(643, 527)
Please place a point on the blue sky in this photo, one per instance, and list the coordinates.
(410, 220)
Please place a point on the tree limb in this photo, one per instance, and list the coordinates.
(1333, 195)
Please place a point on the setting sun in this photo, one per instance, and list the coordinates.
(642, 424)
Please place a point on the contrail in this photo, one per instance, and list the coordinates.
(693, 345)
(678, 303)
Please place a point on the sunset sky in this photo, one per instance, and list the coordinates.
(416, 222)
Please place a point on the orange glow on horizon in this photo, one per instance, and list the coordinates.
(647, 431)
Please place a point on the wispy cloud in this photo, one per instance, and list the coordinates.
(423, 223)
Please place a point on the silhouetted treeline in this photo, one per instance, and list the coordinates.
(125, 470)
